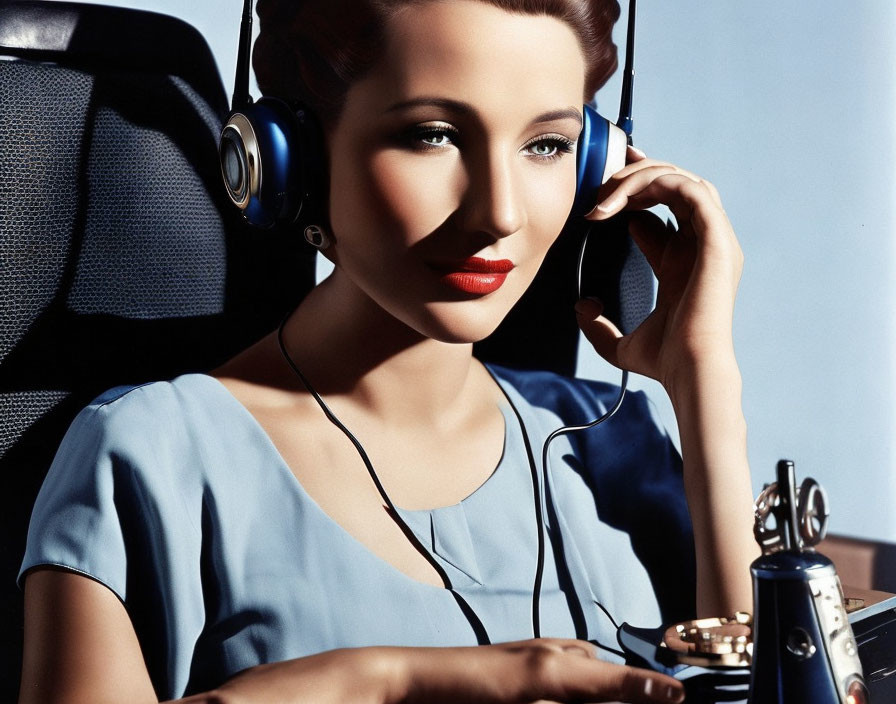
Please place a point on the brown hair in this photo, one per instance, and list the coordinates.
(313, 50)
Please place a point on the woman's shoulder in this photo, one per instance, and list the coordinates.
(148, 395)
(154, 405)
(127, 466)
(157, 424)
(139, 460)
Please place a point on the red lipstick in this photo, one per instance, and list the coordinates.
(475, 275)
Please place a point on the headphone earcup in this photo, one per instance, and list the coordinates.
(271, 162)
(616, 272)
(600, 154)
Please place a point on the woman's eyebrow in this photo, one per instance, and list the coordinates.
(564, 114)
(432, 102)
(459, 106)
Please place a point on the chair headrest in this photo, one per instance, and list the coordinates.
(96, 37)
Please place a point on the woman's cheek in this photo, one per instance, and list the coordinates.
(415, 193)
(550, 191)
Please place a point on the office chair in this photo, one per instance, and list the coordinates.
(120, 259)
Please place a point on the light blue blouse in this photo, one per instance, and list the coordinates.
(174, 497)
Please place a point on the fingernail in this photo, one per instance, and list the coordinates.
(673, 694)
(589, 307)
(601, 209)
(637, 151)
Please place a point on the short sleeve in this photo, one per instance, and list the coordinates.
(76, 522)
(118, 506)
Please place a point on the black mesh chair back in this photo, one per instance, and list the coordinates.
(120, 259)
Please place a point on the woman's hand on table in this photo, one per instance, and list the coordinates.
(543, 670)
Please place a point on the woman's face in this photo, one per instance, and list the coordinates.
(453, 164)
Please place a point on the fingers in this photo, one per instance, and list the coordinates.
(559, 675)
(636, 176)
(643, 686)
(634, 154)
(603, 335)
(633, 179)
(691, 202)
(651, 234)
(657, 184)
(602, 681)
(544, 669)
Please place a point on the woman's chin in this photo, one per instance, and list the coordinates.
(463, 325)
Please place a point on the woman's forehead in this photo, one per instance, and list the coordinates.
(474, 51)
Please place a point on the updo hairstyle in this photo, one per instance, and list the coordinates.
(311, 51)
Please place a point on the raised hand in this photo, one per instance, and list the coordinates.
(698, 267)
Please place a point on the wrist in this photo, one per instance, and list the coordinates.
(706, 399)
(702, 376)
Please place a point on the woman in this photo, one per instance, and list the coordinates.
(174, 553)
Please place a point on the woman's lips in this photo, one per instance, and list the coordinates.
(474, 275)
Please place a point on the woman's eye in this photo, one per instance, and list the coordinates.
(543, 149)
(431, 136)
(436, 139)
(549, 147)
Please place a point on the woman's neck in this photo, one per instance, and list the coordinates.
(347, 345)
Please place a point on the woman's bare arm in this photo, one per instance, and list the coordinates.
(80, 647)
(686, 344)
(79, 643)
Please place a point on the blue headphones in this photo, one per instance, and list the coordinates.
(274, 165)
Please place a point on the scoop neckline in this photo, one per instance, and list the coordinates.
(505, 408)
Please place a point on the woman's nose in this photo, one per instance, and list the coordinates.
(493, 202)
